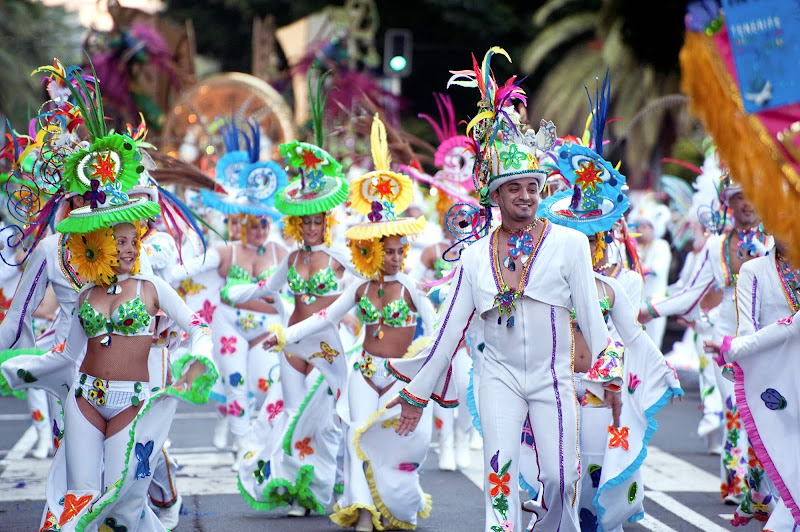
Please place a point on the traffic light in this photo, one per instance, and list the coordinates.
(397, 53)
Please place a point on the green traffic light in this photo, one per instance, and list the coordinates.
(398, 63)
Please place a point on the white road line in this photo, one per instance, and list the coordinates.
(23, 445)
(662, 471)
(650, 523)
(686, 513)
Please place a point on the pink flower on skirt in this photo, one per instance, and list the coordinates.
(273, 409)
(228, 345)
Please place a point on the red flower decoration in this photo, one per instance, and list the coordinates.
(73, 506)
(499, 484)
(619, 437)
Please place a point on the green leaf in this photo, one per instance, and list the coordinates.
(504, 469)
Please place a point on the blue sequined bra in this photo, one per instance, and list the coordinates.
(129, 319)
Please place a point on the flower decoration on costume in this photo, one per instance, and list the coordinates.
(499, 479)
(618, 438)
(633, 382)
(73, 506)
(367, 256)
(262, 472)
(274, 409)
(93, 255)
(95, 196)
(304, 447)
(228, 345)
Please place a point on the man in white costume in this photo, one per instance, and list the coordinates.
(525, 305)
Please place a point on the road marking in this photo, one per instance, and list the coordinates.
(684, 512)
(23, 445)
(650, 523)
(662, 471)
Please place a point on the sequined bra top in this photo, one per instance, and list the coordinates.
(130, 318)
(605, 307)
(395, 314)
(321, 283)
(237, 274)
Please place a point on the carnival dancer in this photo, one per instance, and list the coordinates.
(768, 402)
(117, 413)
(722, 257)
(292, 456)
(453, 184)
(524, 302)
(381, 485)
(649, 219)
(248, 187)
(611, 491)
(767, 290)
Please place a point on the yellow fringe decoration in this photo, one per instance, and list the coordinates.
(400, 227)
(743, 143)
(347, 517)
(280, 333)
(380, 146)
(330, 221)
(292, 229)
(599, 249)
(393, 521)
(443, 204)
(416, 346)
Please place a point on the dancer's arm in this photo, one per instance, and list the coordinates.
(784, 331)
(686, 299)
(330, 315)
(16, 330)
(748, 307)
(266, 288)
(207, 261)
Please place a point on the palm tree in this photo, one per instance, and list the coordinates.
(31, 34)
(638, 42)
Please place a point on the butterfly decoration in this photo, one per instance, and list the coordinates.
(304, 447)
(274, 409)
(116, 196)
(73, 506)
(315, 179)
(97, 394)
(520, 244)
(773, 399)
(375, 215)
(328, 353)
(143, 453)
(95, 196)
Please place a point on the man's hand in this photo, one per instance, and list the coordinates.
(613, 400)
(644, 316)
(683, 323)
(270, 342)
(409, 417)
(710, 346)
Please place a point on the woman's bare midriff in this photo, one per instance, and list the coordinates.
(583, 356)
(125, 359)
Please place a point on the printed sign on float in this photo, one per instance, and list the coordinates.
(765, 41)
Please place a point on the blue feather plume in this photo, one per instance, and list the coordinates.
(599, 111)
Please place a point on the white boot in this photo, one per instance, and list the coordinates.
(462, 445)
(241, 446)
(298, 510)
(169, 516)
(447, 459)
(476, 441)
(220, 440)
(43, 444)
(364, 523)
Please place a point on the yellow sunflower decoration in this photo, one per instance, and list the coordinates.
(367, 256)
(93, 256)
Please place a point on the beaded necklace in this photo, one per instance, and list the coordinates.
(790, 282)
(506, 298)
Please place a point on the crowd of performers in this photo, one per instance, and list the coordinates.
(324, 317)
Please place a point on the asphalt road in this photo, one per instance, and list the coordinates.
(680, 477)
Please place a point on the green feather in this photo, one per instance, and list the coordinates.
(318, 99)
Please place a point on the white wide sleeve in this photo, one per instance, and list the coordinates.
(454, 319)
(748, 302)
(16, 330)
(584, 299)
(269, 288)
(686, 299)
(785, 332)
(210, 260)
(190, 322)
(331, 314)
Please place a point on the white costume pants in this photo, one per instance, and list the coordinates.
(528, 368)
